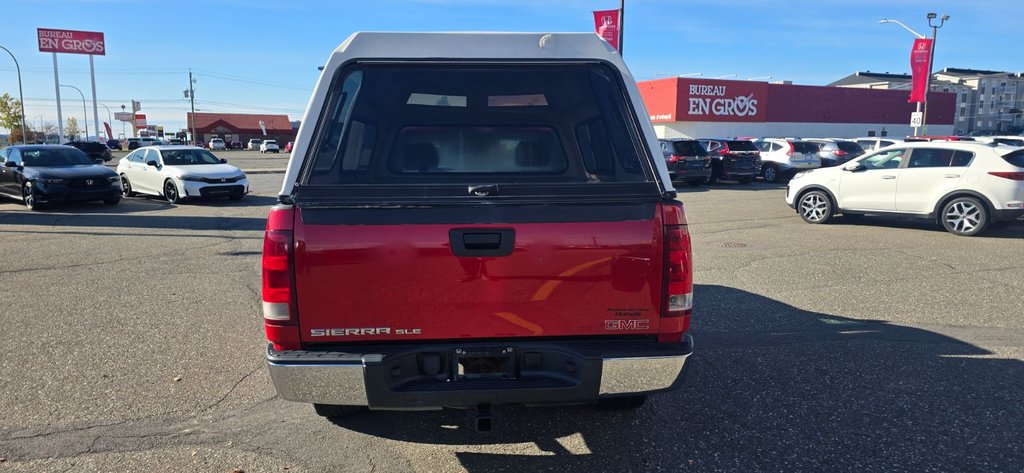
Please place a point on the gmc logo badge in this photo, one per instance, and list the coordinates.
(636, 324)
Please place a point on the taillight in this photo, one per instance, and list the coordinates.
(724, 150)
(674, 158)
(791, 149)
(839, 152)
(278, 313)
(678, 281)
(1015, 176)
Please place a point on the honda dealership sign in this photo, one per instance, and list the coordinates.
(70, 41)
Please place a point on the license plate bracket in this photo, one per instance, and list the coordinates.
(484, 363)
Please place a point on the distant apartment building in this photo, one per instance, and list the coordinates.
(987, 102)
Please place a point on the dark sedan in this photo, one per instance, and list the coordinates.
(95, 150)
(114, 144)
(45, 174)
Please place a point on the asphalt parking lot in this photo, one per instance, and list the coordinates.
(133, 343)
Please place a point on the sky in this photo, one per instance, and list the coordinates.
(261, 56)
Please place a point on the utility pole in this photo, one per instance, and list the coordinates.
(931, 63)
(192, 99)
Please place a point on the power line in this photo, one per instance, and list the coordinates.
(279, 85)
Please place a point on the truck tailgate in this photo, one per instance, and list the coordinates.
(372, 282)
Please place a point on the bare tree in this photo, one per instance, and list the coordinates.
(71, 128)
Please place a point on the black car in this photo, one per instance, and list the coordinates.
(687, 160)
(733, 159)
(114, 144)
(45, 174)
(94, 149)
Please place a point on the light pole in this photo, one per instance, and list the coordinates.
(931, 62)
(21, 96)
(85, 110)
(917, 131)
(110, 120)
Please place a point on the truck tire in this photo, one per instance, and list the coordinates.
(624, 402)
(332, 412)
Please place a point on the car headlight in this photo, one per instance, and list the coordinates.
(190, 178)
(240, 176)
(113, 179)
(51, 181)
(800, 174)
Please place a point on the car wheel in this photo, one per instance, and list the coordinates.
(112, 201)
(126, 187)
(625, 402)
(332, 412)
(28, 196)
(816, 207)
(171, 192)
(745, 180)
(696, 182)
(770, 173)
(964, 216)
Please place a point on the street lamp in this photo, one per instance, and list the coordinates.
(85, 111)
(21, 96)
(931, 63)
(110, 120)
(931, 60)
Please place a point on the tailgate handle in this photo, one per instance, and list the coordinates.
(470, 242)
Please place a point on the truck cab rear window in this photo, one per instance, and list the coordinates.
(425, 123)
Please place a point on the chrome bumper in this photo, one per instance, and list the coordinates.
(325, 378)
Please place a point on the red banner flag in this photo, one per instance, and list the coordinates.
(606, 25)
(110, 133)
(920, 60)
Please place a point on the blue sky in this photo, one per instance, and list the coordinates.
(261, 56)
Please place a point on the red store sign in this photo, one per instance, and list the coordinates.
(72, 42)
(722, 101)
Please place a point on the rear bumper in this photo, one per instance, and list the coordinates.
(423, 376)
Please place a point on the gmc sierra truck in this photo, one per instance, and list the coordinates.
(471, 220)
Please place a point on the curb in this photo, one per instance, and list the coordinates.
(264, 171)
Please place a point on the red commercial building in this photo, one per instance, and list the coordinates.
(696, 108)
(242, 127)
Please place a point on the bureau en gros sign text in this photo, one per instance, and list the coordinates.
(713, 100)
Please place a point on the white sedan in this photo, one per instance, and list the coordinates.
(269, 146)
(180, 172)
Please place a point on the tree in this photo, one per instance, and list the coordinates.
(10, 115)
(71, 128)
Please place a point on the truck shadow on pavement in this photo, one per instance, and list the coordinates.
(773, 387)
(129, 221)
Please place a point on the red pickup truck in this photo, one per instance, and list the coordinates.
(473, 220)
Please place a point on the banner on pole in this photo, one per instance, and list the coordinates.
(920, 59)
(71, 42)
(606, 25)
(110, 133)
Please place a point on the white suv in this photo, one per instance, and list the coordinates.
(783, 157)
(269, 146)
(965, 186)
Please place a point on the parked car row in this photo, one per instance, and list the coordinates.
(40, 175)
